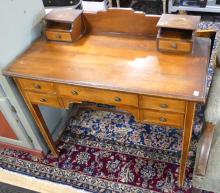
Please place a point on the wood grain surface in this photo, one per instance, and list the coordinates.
(117, 63)
(63, 15)
(188, 22)
(121, 22)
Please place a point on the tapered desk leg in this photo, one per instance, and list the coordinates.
(187, 132)
(44, 130)
(35, 111)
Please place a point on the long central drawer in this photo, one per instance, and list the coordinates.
(79, 93)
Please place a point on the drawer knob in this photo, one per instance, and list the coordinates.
(43, 100)
(74, 92)
(162, 119)
(174, 45)
(37, 86)
(58, 36)
(164, 106)
(117, 99)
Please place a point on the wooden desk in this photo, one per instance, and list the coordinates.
(121, 69)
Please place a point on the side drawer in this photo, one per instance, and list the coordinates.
(59, 36)
(37, 86)
(171, 45)
(162, 118)
(97, 95)
(162, 104)
(43, 99)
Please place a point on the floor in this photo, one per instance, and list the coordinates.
(33, 185)
(6, 188)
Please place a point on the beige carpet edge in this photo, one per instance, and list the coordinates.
(34, 184)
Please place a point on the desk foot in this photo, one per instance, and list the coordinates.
(187, 132)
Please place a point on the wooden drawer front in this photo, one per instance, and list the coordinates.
(38, 86)
(59, 36)
(43, 99)
(97, 95)
(162, 118)
(162, 104)
(178, 46)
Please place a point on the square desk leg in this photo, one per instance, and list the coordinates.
(187, 133)
(35, 111)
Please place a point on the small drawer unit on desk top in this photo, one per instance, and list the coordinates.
(176, 33)
(64, 25)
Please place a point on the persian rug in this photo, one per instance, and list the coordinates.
(109, 152)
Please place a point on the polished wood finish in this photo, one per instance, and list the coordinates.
(187, 132)
(117, 63)
(63, 15)
(64, 25)
(121, 22)
(176, 33)
(78, 93)
(208, 134)
(162, 118)
(58, 36)
(44, 99)
(207, 33)
(162, 104)
(5, 128)
(176, 46)
(37, 86)
(187, 22)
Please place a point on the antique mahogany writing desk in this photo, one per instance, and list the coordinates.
(116, 63)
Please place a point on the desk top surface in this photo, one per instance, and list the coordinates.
(117, 63)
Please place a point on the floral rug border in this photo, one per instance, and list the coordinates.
(72, 178)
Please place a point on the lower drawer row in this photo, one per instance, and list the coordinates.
(144, 115)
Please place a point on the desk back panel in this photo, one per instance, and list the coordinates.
(127, 22)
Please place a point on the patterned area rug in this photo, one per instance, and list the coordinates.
(109, 152)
